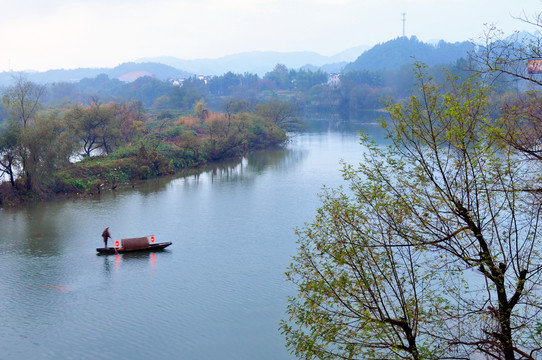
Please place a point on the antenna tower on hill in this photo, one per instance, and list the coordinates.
(404, 21)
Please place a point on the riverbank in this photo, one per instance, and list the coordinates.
(231, 224)
(186, 143)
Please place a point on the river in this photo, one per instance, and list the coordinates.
(219, 292)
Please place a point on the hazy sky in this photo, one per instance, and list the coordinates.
(54, 34)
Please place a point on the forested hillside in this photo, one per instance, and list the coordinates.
(396, 53)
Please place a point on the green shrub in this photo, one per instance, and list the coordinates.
(64, 183)
(125, 152)
(174, 131)
(144, 172)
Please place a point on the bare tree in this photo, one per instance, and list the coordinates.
(23, 99)
(518, 59)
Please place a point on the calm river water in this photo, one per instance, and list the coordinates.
(219, 292)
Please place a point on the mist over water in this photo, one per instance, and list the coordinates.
(218, 292)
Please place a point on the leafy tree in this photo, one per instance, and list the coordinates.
(357, 77)
(234, 106)
(281, 113)
(62, 92)
(162, 103)
(95, 127)
(187, 96)
(201, 111)
(323, 99)
(363, 97)
(189, 141)
(305, 80)
(49, 146)
(85, 127)
(130, 118)
(434, 250)
(280, 76)
(145, 89)
(23, 101)
(101, 86)
(224, 85)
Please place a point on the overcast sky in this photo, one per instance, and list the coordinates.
(55, 34)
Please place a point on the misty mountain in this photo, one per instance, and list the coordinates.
(260, 62)
(159, 71)
(400, 51)
(385, 56)
(347, 55)
(126, 72)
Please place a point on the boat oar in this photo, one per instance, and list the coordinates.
(115, 246)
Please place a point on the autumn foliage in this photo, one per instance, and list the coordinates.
(89, 149)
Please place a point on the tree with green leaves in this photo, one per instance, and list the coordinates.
(96, 126)
(284, 114)
(201, 110)
(233, 106)
(433, 251)
(49, 146)
(306, 79)
(280, 76)
(23, 101)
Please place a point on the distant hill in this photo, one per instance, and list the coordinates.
(398, 52)
(389, 55)
(347, 55)
(260, 62)
(126, 72)
(159, 71)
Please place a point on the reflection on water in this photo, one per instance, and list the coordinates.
(231, 170)
(140, 259)
(218, 292)
(107, 264)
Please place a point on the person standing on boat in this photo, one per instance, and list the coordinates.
(106, 235)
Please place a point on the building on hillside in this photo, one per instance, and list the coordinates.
(180, 82)
(177, 82)
(334, 80)
(205, 78)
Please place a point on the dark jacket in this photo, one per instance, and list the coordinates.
(106, 235)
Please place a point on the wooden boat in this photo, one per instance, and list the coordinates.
(145, 243)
